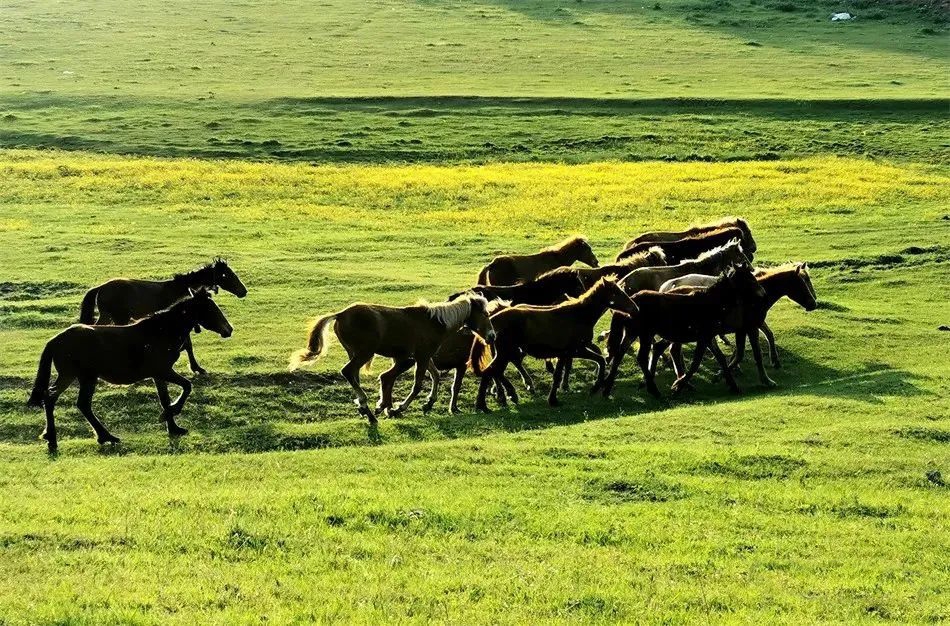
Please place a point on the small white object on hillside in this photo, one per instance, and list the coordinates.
(840, 17)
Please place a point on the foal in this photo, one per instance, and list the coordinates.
(727, 222)
(124, 355)
(122, 300)
(521, 268)
(689, 247)
(408, 335)
(558, 332)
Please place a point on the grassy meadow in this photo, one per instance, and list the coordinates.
(383, 151)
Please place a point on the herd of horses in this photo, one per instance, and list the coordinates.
(663, 290)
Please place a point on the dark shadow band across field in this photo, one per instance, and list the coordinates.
(480, 129)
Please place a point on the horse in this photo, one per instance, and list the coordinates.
(748, 242)
(520, 268)
(408, 335)
(548, 289)
(689, 247)
(681, 318)
(122, 300)
(122, 355)
(713, 261)
(453, 356)
(791, 280)
(556, 332)
(589, 277)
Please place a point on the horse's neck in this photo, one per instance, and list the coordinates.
(703, 265)
(171, 326)
(776, 286)
(562, 256)
(593, 307)
(194, 280)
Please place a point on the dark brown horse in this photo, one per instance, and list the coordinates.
(545, 290)
(122, 300)
(408, 335)
(791, 280)
(689, 247)
(511, 269)
(124, 355)
(681, 318)
(557, 332)
(748, 242)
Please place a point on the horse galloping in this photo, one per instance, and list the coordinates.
(521, 268)
(408, 335)
(124, 355)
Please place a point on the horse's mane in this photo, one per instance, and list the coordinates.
(454, 313)
(188, 277)
(567, 244)
(157, 319)
(714, 251)
(725, 222)
(640, 256)
(594, 291)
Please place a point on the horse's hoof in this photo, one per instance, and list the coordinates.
(177, 431)
(768, 382)
(395, 411)
(554, 402)
(379, 409)
(365, 412)
(51, 443)
(109, 438)
(453, 410)
(483, 408)
(199, 370)
(427, 407)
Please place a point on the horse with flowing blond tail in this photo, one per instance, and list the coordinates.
(408, 335)
(511, 269)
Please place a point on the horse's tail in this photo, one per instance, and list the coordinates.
(87, 313)
(316, 344)
(483, 275)
(41, 384)
(481, 356)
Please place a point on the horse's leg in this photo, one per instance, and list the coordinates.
(434, 393)
(659, 348)
(87, 387)
(510, 390)
(558, 373)
(49, 403)
(192, 362)
(643, 360)
(177, 379)
(565, 380)
(757, 355)
(616, 339)
(721, 359)
(622, 347)
(739, 353)
(422, 365)
(456, 389)
(682, 382)
(518, 362)
(679, 365)
(773, 351)
(174, 430)
(386, 382)
(351, 372)
(592, 353)
(499, 363)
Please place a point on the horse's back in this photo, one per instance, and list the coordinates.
(501, 271)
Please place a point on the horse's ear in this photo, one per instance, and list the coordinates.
(804, 267)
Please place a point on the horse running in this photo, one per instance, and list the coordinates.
(748, 242)
(521, 268)
(124, 355)
(408, 335)
(122, 300)
(557, 332)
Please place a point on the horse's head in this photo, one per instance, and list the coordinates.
(734, 254)
(748, 242)
(478, 320)
(617, 298)
(804, 293)
(585, 254)
(207, 314)
(742, 278)
(225, 278)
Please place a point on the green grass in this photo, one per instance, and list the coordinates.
(823, 500)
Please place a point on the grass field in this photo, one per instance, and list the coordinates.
(383, 151)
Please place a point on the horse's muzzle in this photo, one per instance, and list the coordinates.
(227, 332)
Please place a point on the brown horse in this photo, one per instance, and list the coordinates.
(408, 335)
(791, 280)
(689, 247)
(521, 268)
(548, 289)
(681, 318)
(124, 355)
(122, 300)
(557, 332)
(453, 356)
(748, 242)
